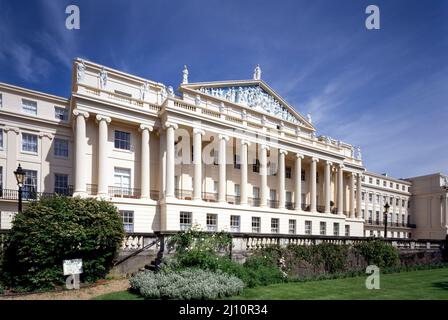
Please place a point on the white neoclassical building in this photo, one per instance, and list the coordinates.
(227, 155)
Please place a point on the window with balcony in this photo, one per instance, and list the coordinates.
(256, 192)
(336, 229)
(60, 114)
(212, 222)
(235, 224)
(292, 226)
(185, 219)
(256, 224)
(61, 183)
(29, 107)
(256, 166)
(127, 217)
(274, 225)
(30, 184)
(237, 190)
(308, 227)
(29, 142)
(272, 169)
(122, 140)
(302, 175)
(61, 148)
(122, 181)
(236, 161)
(323, 228)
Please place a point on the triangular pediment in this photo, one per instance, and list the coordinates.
(252, 94)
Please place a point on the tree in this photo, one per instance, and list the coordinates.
(57, 228)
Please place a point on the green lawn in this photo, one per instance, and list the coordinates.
(427, 284)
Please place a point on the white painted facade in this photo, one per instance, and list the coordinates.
(170, 161)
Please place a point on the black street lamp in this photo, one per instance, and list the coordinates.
(386, 210)
(20, 177)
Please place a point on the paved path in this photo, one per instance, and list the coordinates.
(107, 286)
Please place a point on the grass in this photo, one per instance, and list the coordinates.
(425, 284)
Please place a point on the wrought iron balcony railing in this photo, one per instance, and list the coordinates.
(231, 199)
(210, 196)
(254, 202)
(120, 192)
(13, 194)
(183, 194)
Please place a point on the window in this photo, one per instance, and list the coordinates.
(317, 177)
(308, 227)
(363, 213)
(377, 218)
(288, 172)
(61, 183)
(323, 228)
(397, 202)
(384, 199)
(30, 184)
(272, 169)
(122, 180)
(215, 155)
(1, 181)
(256, 166)
(363, 196)
(391, 185)
(397, 186)
(384, 184)
(336, 228)
(370, 197)
(391, 202)
(1, 100)
(122, 140)
(377, 198)
(237, 190)
(403, 220)
(378, 182)
(185, 220)
(215, 186)
(60, 114)
(29, 142)
(403, 203)
(303, 175)
(256, 192)
(128, 220)
(1, 138)
(370, 180)
(274, 225)
(371, 233)
(29, 107)
(370, 216)
(292, 227)
(236, 161)
(123, 93)
(347, 230)
(212, 222)
(256, 224)
(363, 179)
(403, 188)
(235, 223)
(61, 148)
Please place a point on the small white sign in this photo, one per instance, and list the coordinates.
(72, 267)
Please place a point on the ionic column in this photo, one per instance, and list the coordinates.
(170, 127)
(340, 190)
(327, 186)
(264, 175)
(352, 195)
(358, 196)
(80, 151)
(298, 183)
(103, 121)
(243, 160)
(313, 184)
(145, 183)
(281, 179)
(197, 160)
(222, 168)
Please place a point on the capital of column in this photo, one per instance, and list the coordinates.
(16, 130)
(299, 156)
(328, 163)
(282, 151)
(198, 131)
(100, 118)
(169, 124)
(78, 112)
(341, 166)
(46, 134)
(223, 137)
(265, 147)
(314, 159)
(245, 142)
(143, 127)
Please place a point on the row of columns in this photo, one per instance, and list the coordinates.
(104, 121)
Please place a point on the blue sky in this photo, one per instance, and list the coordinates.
(386, 90)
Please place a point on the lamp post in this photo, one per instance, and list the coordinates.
(386, 210)
(20, 177)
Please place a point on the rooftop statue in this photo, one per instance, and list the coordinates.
(81, 69)
(185, 75)
(103, 78)
(257, 72)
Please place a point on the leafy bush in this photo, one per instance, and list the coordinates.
(53, 229)
(2, 290)
(379, 253)
(192, 284)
